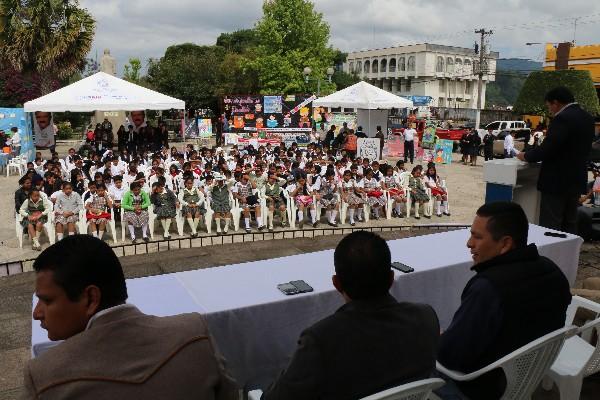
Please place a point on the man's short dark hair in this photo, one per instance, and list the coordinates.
(79, 261)
(362, 264)
(561, 94)
(506, 219)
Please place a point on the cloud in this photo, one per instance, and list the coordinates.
(144, 29)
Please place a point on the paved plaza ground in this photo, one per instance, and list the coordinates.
(466, 190)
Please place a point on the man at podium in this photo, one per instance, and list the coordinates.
(564, 153)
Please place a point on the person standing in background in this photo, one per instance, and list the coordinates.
(488, 145)
(564, 154)
(409, 144)
(379, 135)
(509, 145)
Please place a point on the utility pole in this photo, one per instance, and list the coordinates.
(480, 72)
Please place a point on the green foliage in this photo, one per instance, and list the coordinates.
(531, 98)
(505, 90)
(238, 42)
(188, 72)
(65, 131)
(132, 70)
(291, 36)
(343, 79)
(47, 37)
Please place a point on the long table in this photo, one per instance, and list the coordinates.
(256, 327)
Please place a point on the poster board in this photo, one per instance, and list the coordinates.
(16, 117)
(204, 127)
(249, 113)
(369, 148)
(443, 151)
(338, 120)
(394, 146)
(428, 137)
(427, 155)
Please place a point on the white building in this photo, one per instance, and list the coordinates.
(445, 73)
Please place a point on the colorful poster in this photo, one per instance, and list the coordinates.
(338, 120)
(443, 151)
(428, 137)
(369, 148)
(204, 128)
(394, 146)
(272, 104)
(427, 155)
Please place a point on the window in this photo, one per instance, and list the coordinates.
(411, 63)
(503, 125)
(401, 64)
(442, 86)
(449, 65)
(468, 87)
(351, 68)
(441, 102)
(439, 66)
(367, 66)
(375, 66)
(358, 67)
(468, 69)
(458, 66)
(383, 65)
(493, 125)
(392, 67)
(408, 84)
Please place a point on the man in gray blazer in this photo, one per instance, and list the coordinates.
(371, 343)
(111, 350)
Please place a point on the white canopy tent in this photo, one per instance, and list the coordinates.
(372, 103)
(103, 92)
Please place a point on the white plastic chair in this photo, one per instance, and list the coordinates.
(14, 163)
(110, 226)
(419, 390)
(578, 358)
(208, 216)
(524, 368)
(49, 227)
(236, 212)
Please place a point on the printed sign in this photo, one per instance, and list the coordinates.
(338, 120)
(369, 148)
(205, 128)
(394, 146)
(272, 104)
(443, 151)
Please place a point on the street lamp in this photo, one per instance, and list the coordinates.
(307, 71)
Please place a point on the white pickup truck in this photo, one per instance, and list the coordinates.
(501, 128)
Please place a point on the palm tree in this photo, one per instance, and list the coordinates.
(47, 37)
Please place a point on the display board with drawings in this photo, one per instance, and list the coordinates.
(248, 113)
(369, 148)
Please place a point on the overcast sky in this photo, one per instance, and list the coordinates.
(145, 28)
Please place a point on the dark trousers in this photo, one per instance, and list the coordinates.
(488, 153)
(559, 212)
(409, 151)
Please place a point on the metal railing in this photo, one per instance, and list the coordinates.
(157, 246)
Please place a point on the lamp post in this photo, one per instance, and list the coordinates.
(307, 71)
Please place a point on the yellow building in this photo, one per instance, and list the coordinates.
(586, 58)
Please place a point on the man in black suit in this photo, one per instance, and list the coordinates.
(564, 154)
(370, 344)
(515, 297)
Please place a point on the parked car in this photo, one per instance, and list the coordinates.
(501, 128)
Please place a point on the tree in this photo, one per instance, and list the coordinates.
(531, 98)
(238, 42)
(188, 72)
(291, 36)
(47, 37)
(132, 70)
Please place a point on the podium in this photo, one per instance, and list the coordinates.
(509, 179)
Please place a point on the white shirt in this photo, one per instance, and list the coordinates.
(509, 143)
(409, 134)
(116, 193)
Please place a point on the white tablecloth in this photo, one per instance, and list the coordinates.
(256, 326)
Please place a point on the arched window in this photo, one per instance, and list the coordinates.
(449, 65)
(358, 69)
(401, 64)
(392, 67)
(439, 65)
(367, 66)
(383, 65)
(468, 68)
(458, 66)
(375, 66)
(351, 68)
(411, 64)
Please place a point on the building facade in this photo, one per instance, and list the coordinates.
(585, 58)
(444, 73)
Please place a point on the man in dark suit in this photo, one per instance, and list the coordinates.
(564, 154)
(370, 344)
(110, 349)
(515, 297)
